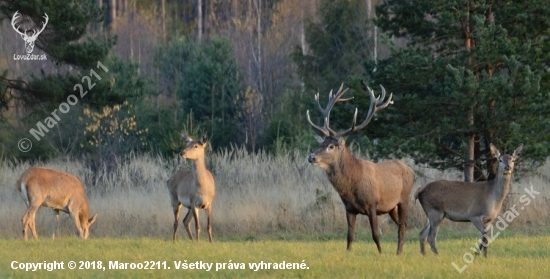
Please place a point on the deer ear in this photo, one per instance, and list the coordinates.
(517, 152)
(319, 139)
(204, 138)
(92, 220)
(494, 151)
(340, 141)
(186, 138)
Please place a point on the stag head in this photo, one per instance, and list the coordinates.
(29, 39)
(334, 142)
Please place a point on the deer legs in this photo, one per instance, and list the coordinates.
(430, 231)
(351, 217)
(483, 243)
(56, 222)
(398, 215)
(177, 209)
(373, 220)
(192, 213)
(28, 221)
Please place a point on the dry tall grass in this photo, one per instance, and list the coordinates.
(257, 194)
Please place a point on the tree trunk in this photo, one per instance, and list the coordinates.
(112, 8)
(470, 156)
(163, 18)
(199, 21)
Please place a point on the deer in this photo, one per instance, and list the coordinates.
(193, 188)
(57, 190)
(476, 202)
(364, 187)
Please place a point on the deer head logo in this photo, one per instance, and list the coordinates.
(29, 36)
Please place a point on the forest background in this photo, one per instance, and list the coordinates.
(463, 73)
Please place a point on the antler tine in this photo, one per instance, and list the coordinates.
(376, 104)
(318, 103)
(332, 100)
(323, 130)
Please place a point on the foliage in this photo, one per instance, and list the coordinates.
(62, 40)
(335, 44)
(470, 71)
(112, 130)
(208, 85)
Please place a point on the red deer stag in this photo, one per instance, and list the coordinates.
(476, 202)
(57, 190)
(195, 189)
(365, 187)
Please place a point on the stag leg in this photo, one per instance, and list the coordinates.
(56, 222)
(186, 223)
(209, 224)
(373, 220)
(351, 217)
(177, 209)
(398, 215)
(394, 214)
(197, 222)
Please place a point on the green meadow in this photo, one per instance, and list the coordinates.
(270, 212)
(516, 256)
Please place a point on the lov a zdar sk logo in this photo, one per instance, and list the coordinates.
(29, 36)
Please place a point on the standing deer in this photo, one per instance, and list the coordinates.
(57, 190)
(365, 187)
(195, 189)
(476, 202)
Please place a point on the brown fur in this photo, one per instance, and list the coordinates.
(195, 189)
(477, 202)
(58, 191)
(367, 188)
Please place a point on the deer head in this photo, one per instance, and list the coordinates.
(29, 40)
(506, 162)
(333, 141)
(194, 148)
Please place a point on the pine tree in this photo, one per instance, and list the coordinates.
(62, 41)
(472, 73)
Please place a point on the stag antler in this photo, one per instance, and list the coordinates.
(332, 100)
(376, 104)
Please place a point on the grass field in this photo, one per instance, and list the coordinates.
(267, 208)
(510, 256)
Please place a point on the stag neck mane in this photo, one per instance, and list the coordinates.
(345, 170)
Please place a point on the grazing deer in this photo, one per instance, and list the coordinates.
(57, 190)
(365, 187)
(476, 202)
(194, 189)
